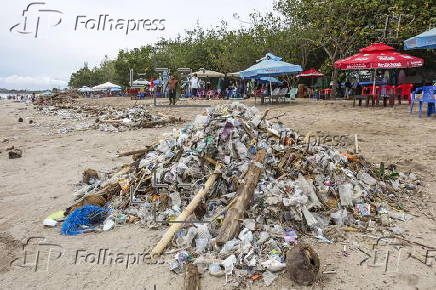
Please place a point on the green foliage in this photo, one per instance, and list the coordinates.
(312, 33)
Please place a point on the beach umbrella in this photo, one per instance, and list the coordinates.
(203, 73)
(378, 56)
(425, 40)
(312, 73)
(270, 66)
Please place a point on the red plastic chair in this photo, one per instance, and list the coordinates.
(405, 91)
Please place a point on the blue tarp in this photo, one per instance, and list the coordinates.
(425, 40)
(270, 66)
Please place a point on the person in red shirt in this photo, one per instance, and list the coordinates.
(152, 86)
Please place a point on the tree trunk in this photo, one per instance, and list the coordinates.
(334, 80)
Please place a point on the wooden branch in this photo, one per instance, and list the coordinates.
(230, 227)
(167, 237)
(356, 144)
(130, 153)
(192, 277)
(209, 159)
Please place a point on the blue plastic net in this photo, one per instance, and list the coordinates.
(83, 218)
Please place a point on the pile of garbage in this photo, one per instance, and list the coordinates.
(233, 170)
(108, 119)
(57, 99)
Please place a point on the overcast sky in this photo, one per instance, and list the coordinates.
(47, 61)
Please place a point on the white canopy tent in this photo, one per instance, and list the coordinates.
(106, 86)
(140, 83)
(234, 75)
(84, 89)
(202, 73)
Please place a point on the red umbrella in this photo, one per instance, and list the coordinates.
(379, 55)
(310, 73)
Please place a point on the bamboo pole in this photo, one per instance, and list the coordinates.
(167, 237)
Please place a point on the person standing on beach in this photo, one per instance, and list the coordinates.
(194, 85)
(172, 85)
(152, 86)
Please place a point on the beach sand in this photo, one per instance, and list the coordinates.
(43, 180)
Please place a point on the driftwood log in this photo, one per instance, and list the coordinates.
(167, 237)
(130, 153)
(192, 277)
(230, 226)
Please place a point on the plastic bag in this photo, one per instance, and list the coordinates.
(229, 264)
(346, 194)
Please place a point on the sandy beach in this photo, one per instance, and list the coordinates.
(43, 180)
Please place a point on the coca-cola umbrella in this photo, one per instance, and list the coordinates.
(312, 73)
(378, 56)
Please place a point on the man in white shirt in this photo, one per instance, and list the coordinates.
(194, 85)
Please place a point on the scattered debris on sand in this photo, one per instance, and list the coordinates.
(14, 153)
(105, 118)
(238, 193)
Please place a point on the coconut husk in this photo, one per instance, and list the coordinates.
(303, 264)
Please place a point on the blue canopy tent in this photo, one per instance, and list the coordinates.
(270, 66)
(425, 40)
